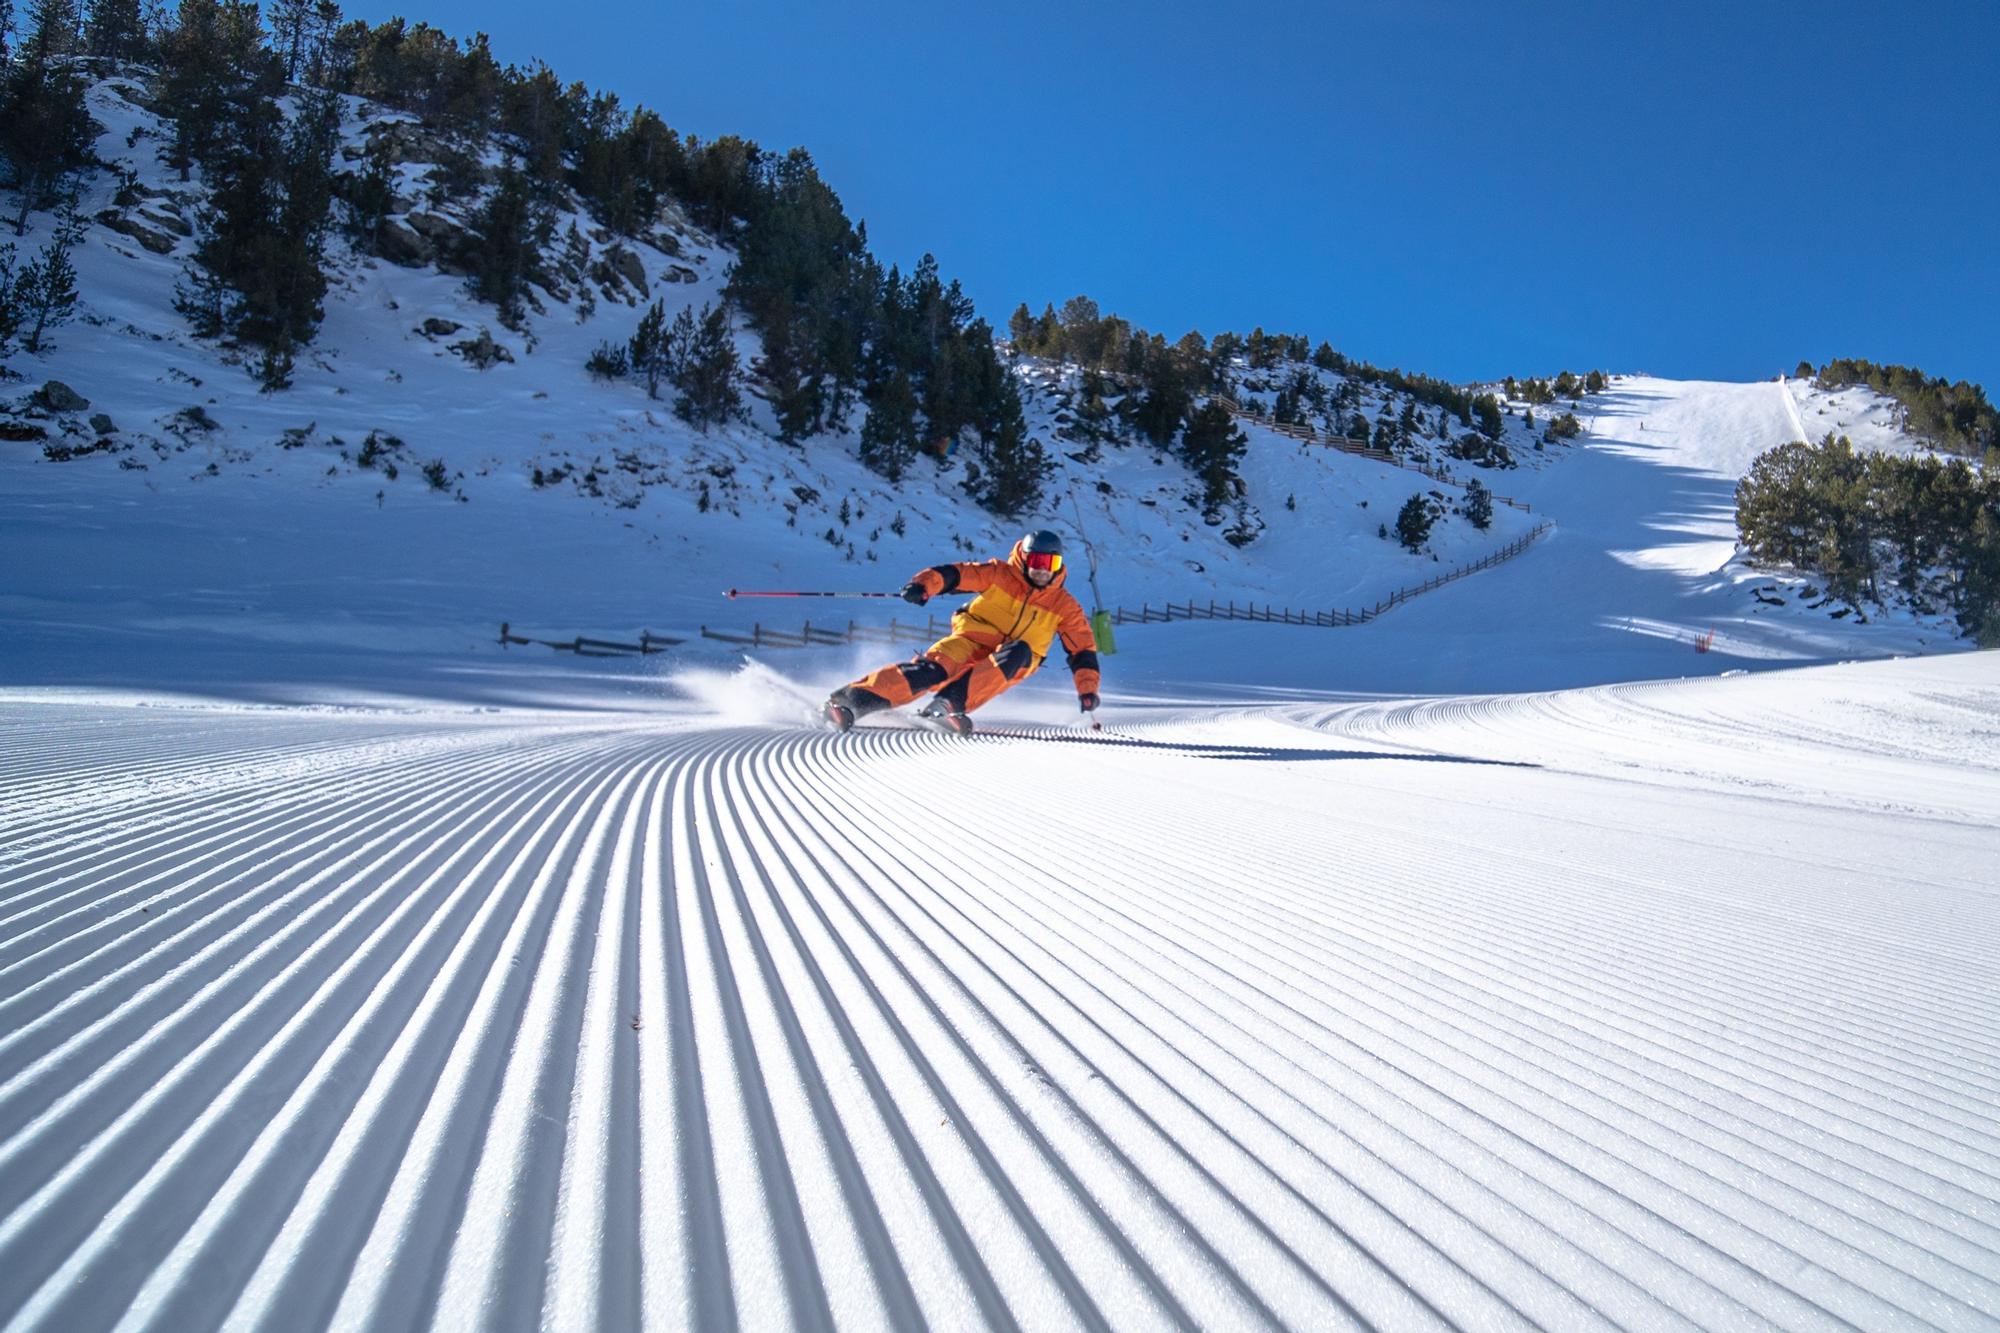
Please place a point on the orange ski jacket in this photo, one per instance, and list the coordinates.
(1010, 607)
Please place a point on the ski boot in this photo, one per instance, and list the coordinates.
(941, 712)
(837, 715)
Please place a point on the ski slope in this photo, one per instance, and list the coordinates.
(1503, 962)
(1643, 1006)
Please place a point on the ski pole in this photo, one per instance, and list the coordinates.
(741, 592)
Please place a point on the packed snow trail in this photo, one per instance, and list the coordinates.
(1640, 1006)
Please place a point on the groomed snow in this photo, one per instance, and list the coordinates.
(1640, 1006)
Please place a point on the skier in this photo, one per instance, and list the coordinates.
(997, 640)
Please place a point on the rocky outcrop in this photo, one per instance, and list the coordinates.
(403, 141)
(173, 222)
(446, 238)
(159, 242)
(482, 352)
(401, 244)
(621, 273)
(55, 396)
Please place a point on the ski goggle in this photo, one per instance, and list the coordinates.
(1042, 560)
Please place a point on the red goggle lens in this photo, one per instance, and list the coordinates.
(1044, 560)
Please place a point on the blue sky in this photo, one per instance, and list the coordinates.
(1466, 189)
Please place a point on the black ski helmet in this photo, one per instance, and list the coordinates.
(1043, 542)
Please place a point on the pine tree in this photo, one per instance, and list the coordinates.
(1021, 330)
(285, 304)
(258, 275)
(1211, 446)
(371, 193)
(1015, 464)
(10, 299)
(45, 129)
(649, 353)
(1008, 474)
(203, 296)
(1083, 330)
(208, 70)
(1413, 523)
(708, 372)
(1487, 408)
(503, 245)
(1047, 339)
(46, 292)
(889, 435)
(330, 55)
(1478, 504)
(291, 31)
(795, 398)
(115, 30)
(1163, 402)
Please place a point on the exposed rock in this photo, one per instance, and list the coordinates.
(439, 328)
(400, 244)
(158, 242)
(433, 228)
(621, 265)
(482, 351)
(406, 141)
(680, 273)
(55, 396)
(62, 453)
(447, 240)
(173, 222)
(103, 424)
(194, 418)
(21, 431)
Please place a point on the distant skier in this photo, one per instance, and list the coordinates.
(997, 640)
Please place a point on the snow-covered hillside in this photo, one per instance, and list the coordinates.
(421, 440)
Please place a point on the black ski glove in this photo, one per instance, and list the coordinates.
(1087, 702)
(1014, 657)
(914, 594)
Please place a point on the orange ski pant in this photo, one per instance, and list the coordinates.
(959, 666)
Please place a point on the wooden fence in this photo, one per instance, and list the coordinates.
(1360, 448)
(649, 642)
(1284, 615)
(808, 635)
